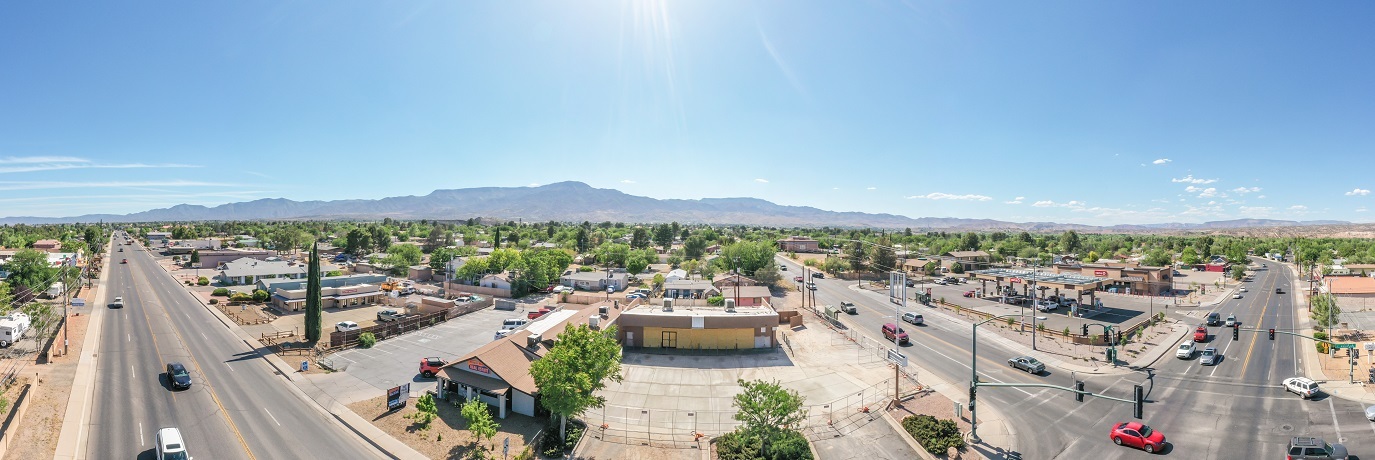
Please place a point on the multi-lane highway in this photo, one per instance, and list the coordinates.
(237, 407)
(1236, 409)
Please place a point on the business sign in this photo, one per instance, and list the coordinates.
(1015, 280)
(348, 291)
(1100, 273)
(396, 397)
(479, 367)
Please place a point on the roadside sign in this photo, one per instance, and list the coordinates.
(1338, 346)
(78, 302)
(897, 357)
(1370, 346)
(396, 397)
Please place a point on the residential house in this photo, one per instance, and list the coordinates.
(48, 245)
(748, 296)
(496, 281)
(798, 244)
(595, 281)
(970, 260)
(675, 275)
(724, 280)
(689, 289)
(248, 271)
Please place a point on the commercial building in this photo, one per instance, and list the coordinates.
(186, 246)
(331, 296)
(498, 373)
(217, 257)
(969, 260)
(249, 271)
(799, 244)
(158, 238)
(698, 327)
(1127, 278)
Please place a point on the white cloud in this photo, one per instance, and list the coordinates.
(1189, 179)
(835, 188)
(1245, 190)
(1017, 200)
(1052, 204)
(762, 181)
(872, 188)
(947, 196)
(1358, 192)
(1209, 193)
(1262, 197)
(1360, 210)
(1161, 161)
(1298, 207)
(1192, 189)
(627, 181)
(20, 185)
(27, 160)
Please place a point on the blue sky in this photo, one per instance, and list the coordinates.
(1084, 112)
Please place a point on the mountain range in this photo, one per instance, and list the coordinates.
(577, 202)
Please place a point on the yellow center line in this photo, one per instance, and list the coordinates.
(1269, 292)
(211, 388)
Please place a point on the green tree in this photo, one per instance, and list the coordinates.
(1092, 257)
(748, 256)
(658, 281)
(402, 256)
(195, 256)
(29, 273)
(1069, 242)
(94, 240)
(884, 258)
(1238, 272)
(857, 257)
(767, 276)
(1325, 312)
(260, 295)
(357, 242)
(434, 240)
(932, 267)
(1156, 258)
(834, 264)
(767, 410)
(970, 242)
(570, 374)
(639, 239)
(381, 239)
(663, 236)
(636, 263)
(1189, 256)
(425, 411)
(314, 305)
(694, 247)
(480, 422)
(6, 297)
(581, 240)
(957, 268)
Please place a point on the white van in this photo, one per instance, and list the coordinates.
(170, 445)
(513, 323)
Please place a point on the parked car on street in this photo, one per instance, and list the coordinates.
(1047, 306)
(1028, 364)
(1302, 386)
(1370, 413)
(1209, 357)
(1279, 290)
(797, 279)
(811, 286)
(1310, 448)
(1186, 350)
(1137, 435)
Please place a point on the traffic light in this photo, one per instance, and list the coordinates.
(972, 391)
(1236, 332)
(1086, 331)
(1272, 333)
(1079, 395)
(1140, 400)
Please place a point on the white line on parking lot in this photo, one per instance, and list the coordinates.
(140, 434)
(274, 419)
(231, 368)
(206, 338)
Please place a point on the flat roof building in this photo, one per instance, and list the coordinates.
(698, 327)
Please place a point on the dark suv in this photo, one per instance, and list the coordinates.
(1214, 319)
(1309, 448)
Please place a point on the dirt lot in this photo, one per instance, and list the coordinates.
(447, 436)
(38, 431)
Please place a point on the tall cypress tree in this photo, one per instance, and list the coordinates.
(314, 313)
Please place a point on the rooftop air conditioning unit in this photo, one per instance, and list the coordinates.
(601, 310)
(668, 304)
(532, 341)
(594, 322)
(730, 305)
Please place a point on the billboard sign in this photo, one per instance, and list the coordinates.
(396, 397)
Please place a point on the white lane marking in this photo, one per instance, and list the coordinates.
(274, 419)
(1335, 425)
(204, 337)
(961, 363)
(231, 368)
(140, 434)
(131, 372)
(129, 337)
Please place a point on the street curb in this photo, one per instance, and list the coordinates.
(83, 382)
(916, 446)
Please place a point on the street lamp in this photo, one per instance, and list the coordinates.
(974, 374)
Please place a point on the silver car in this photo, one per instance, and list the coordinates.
(1370, 413)
(1210, 357)
(1027, 363)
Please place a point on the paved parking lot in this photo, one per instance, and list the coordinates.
(396, 360)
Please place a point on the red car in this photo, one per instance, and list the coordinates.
(1137, 435)
(969, 293)
(430, 366)
(1201, 334)
(124, 261)
(537, 314)
(797, 279)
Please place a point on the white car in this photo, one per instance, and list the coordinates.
(345, 326)
(1231, 321)
(170, 445)
(1236, 296)
(1302, 386)
(1186, 350)
(1047, 306)
(1242, 290)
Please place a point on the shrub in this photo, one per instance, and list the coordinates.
(367, 340)
(549, 443)
(741, 445)
(1066, 331)
(4, 404)
(716, 300)
(203, 281)
(585, 269)
(789, 445)
(222, 292)
(214, 301)
(240, 297)
(738, 445)
(936, 436)
(260, 295)
(525, 454)
(1320, 335)
(1041, 327)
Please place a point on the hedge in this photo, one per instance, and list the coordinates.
(936, 436)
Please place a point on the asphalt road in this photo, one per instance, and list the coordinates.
(1233, 410)
(237, 406)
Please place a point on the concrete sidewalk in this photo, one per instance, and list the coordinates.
(1312, 364)
(72, 442)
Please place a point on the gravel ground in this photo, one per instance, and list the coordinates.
(447, 437)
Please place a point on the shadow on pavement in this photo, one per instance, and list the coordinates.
(995, 453)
